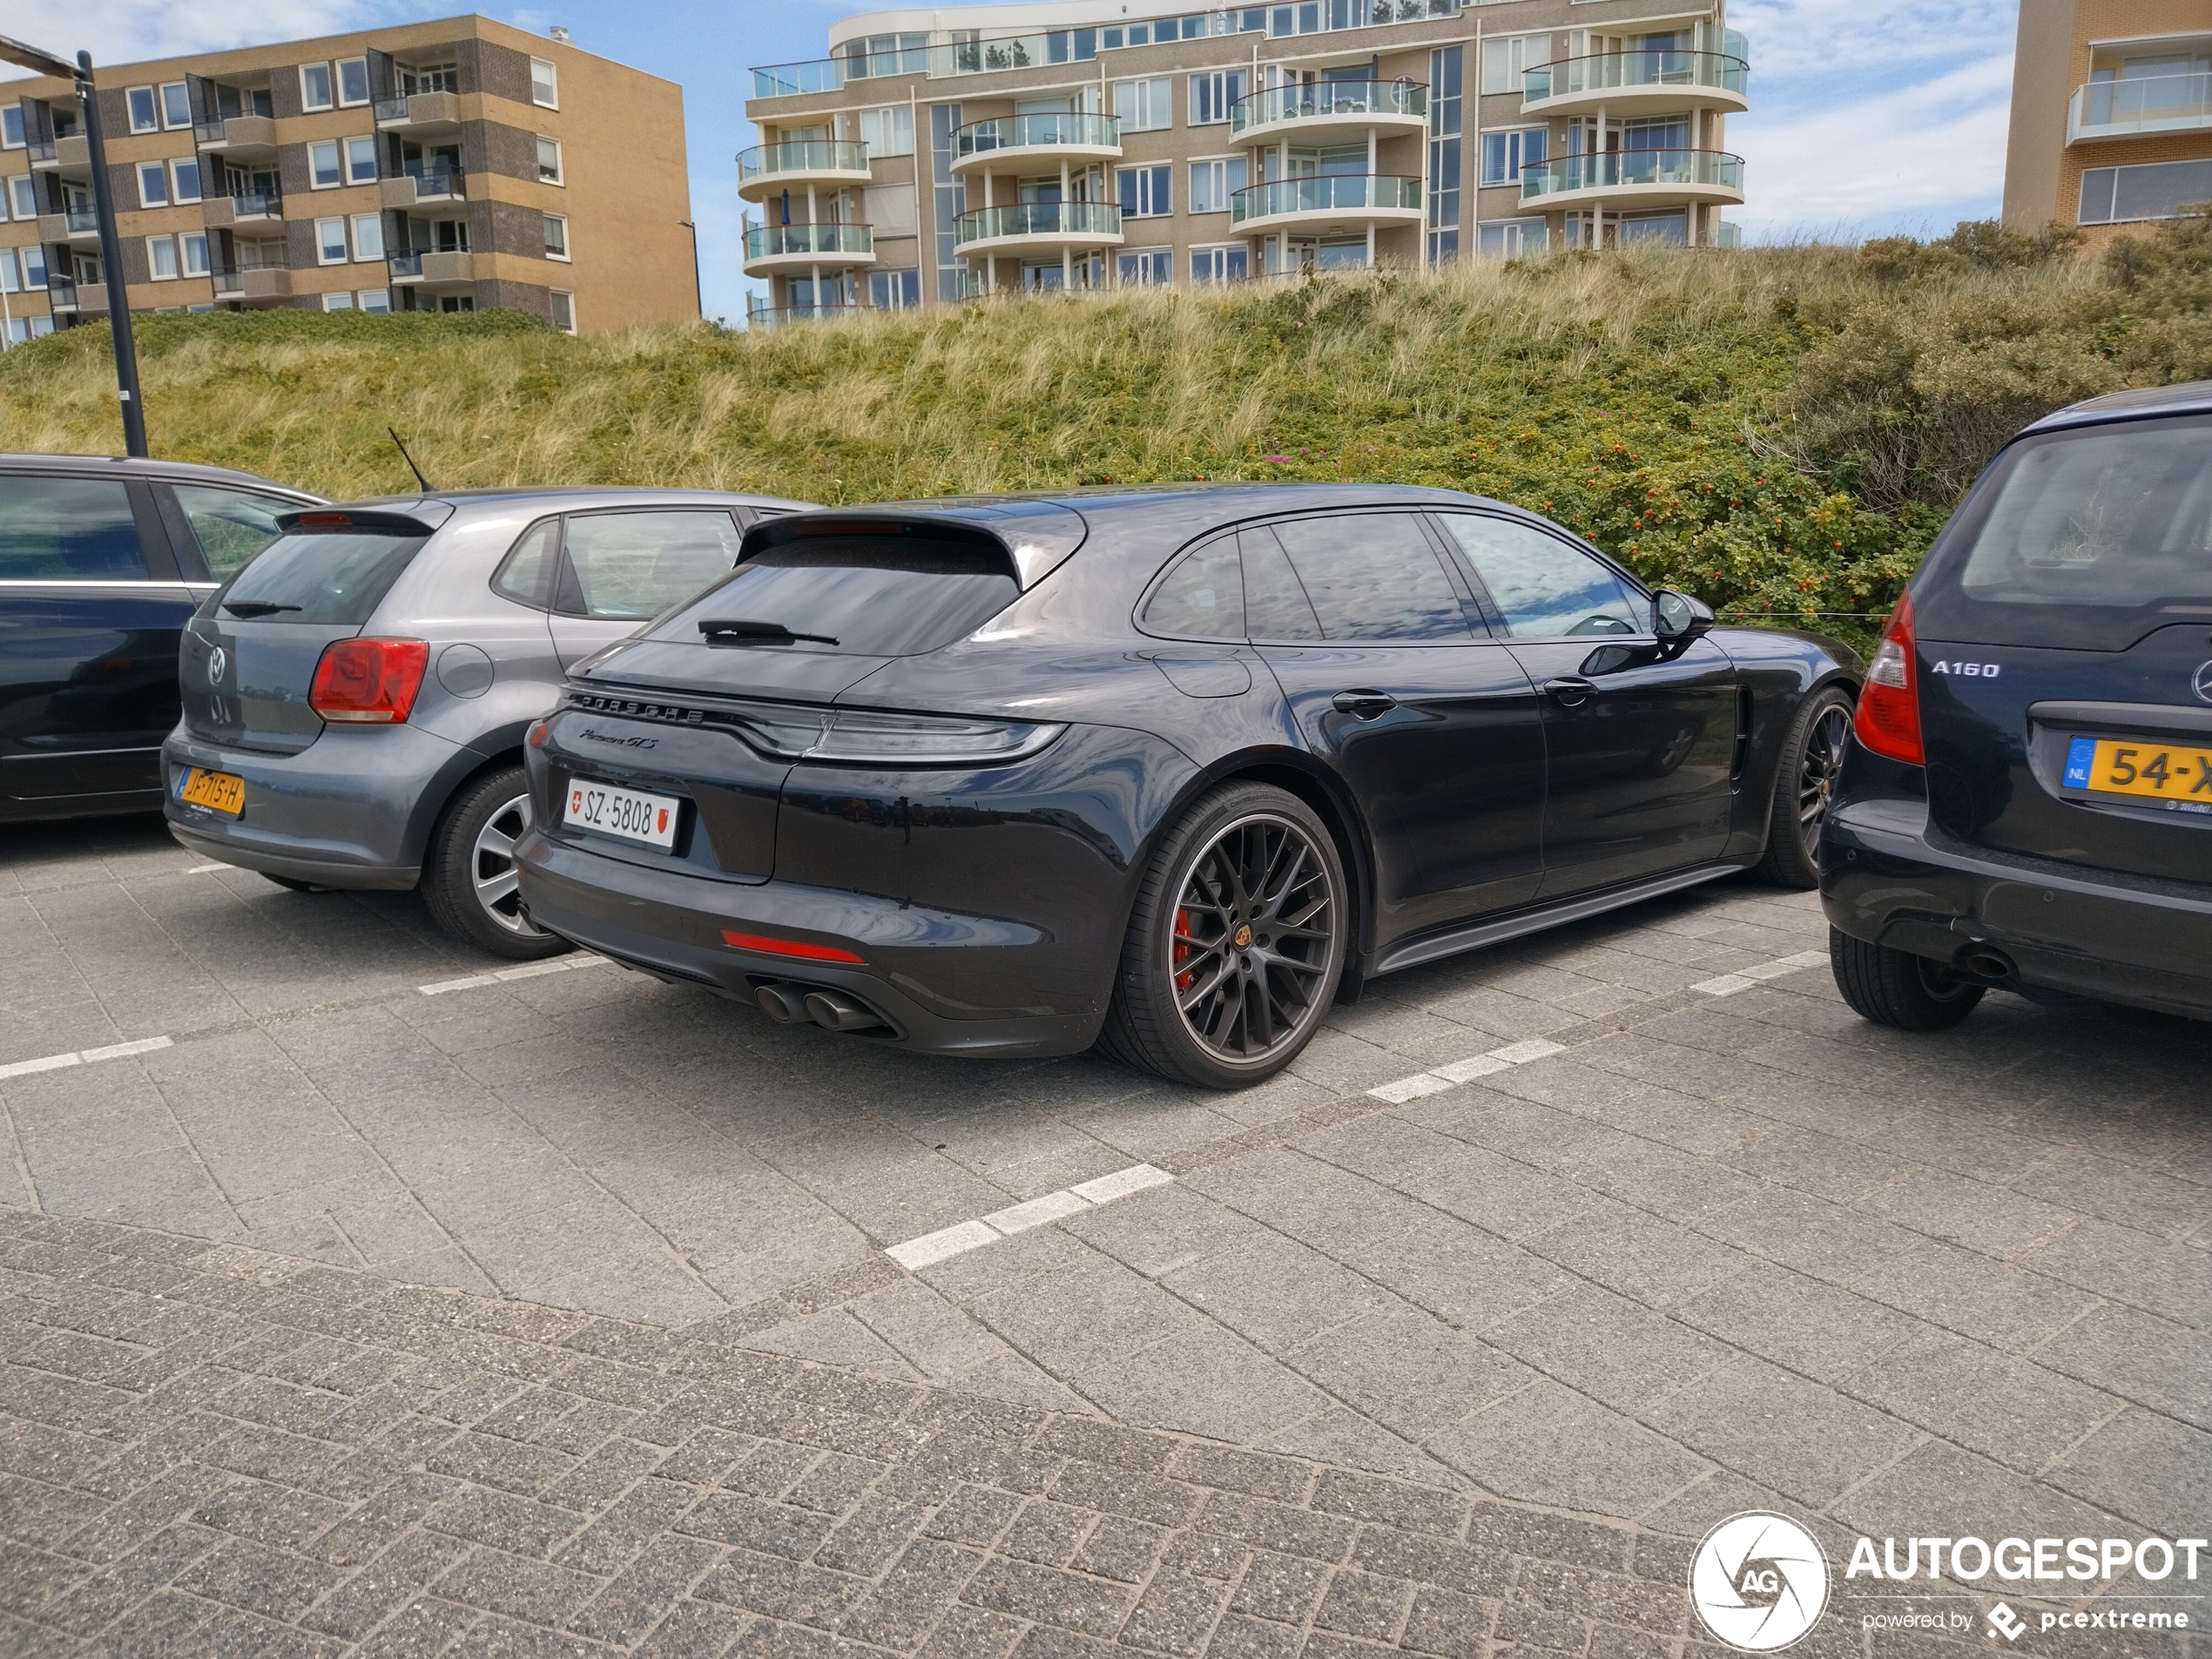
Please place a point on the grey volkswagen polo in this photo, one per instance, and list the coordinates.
(355, 699)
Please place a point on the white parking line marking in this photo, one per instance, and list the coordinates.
(206, 869)
(528, 970)
(57, 1062)
(1744, 978)
(1398, 1090)
(917, 1253)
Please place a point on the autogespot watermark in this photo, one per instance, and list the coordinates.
(1759, 1583)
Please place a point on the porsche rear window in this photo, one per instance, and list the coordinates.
(875, 595)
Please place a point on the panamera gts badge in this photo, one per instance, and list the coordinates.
(2202, 682)
(218, 659)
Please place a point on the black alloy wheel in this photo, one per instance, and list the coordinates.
(1235, 943)
(1804, 785)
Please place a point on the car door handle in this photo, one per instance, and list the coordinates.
(1571, 691)
(1365, 706)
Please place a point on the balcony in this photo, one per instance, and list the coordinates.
(767, 168)
(250, 207)
(77, 225)
(1004, 144)
(1327, 202)
(1633, 178)
(431, 269)
(419, 112)
(1043, 227)
(70, 155)
(440, 185)
(771, 248)
(237, 136)
(2146, 103)
(66, 293)
(251, 282)
(1329, 110)
(1637, 84)
(759, 316)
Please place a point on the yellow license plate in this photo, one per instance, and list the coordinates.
(222, 791)
(2141, 767)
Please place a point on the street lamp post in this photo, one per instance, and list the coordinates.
(119, 305)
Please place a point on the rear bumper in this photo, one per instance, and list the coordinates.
(1886, 878)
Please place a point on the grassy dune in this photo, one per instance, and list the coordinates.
(1780, 430)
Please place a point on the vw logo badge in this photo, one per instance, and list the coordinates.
(2202, 682)
(218, 659)
(1759, 1583)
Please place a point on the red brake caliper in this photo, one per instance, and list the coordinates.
(1182, 949)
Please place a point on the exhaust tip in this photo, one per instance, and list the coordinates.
(1985, 961)
(835, 1011)
(785, 1004)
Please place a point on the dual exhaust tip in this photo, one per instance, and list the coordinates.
(789, 1003)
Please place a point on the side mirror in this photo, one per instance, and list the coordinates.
(1678, 620)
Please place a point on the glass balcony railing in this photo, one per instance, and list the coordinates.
(1038, 219)
(438, 181)
(1627, 70)
(1024, 131)
(405, 265)
(788, 80)
(82, 220)
(1328, 97)
(1628, 169)
(2142, 104)
(757, 315)
(806, 156)
(1324, 192)
(820, 241)
(258, 203)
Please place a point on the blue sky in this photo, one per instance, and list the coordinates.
(1868, 117)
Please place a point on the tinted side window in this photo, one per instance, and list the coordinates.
(325, 577)
(230, 525)
(1201, 598)
(58, 529)
(1373, 576)
(1543, 587)
(526, 572)
(1275, 603)
(633, 566)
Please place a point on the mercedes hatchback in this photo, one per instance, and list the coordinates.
(1178, 766)
(2026, 801)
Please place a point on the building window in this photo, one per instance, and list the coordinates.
(1515, 239)
(361, 161)
(323, 165)
(430, 78)
(184, 172)
(369, 236)
(314, 86)
(2151, 190)
(545, 85)
(1504, 154)
(1225, 263)
(144, 116)
(10, 280)
(176, 104)
(1143, 191)
(1146, 267)
(353, 81)
(376, 299)
(34, 266)
(894, 290)
(330, 242)
(339, 301)
(888, 131)
(949, 199)
(161, 258)
(1143, 106)
(11, 126)
(153, 185)
(548, 161)
(556, 237)
(22, 190)
(1506, 57)
(563, 310)
(1445, 70)
(1213, 93)
(1214, 181)
(193, 245)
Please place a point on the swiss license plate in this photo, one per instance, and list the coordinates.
(2140, 768)
(221, 792)
(630, 813)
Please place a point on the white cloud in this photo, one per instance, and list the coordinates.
(1825, 38)
(1920, 156)
(128, 31)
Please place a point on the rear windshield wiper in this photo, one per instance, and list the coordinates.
(250, 609)
(739, 631)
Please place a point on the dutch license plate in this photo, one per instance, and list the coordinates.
(2140, 768)
(221, 792)
(630, 813)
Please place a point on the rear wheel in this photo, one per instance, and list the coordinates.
(1893, 987)
(469, 880)
(1235, 945)
(1803, 784)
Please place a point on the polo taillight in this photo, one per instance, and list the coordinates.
(1888, 721)
(368, 682)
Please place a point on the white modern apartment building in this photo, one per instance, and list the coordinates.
(937, 154)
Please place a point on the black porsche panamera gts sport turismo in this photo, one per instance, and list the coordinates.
(1171, 769)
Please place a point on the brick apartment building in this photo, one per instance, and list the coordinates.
(943, 152)
(2112, 113)
(450, 166)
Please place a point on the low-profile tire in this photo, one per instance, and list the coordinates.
(1893, 987)
(1802, 783)
(469, 878)
(1235, 943)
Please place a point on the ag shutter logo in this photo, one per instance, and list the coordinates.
(1758, 1581)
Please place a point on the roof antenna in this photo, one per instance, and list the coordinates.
(409, 459)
